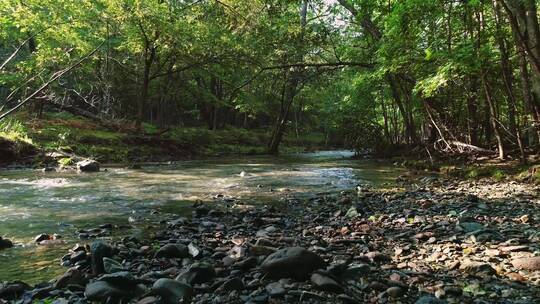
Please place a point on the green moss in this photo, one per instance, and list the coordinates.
(419, 165)
(498, 174)
(67, 161)
(472, 173)
(536, 177)
(149, 128)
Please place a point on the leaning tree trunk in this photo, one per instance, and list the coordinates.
(281, 123)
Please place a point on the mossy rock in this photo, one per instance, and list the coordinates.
(67, 161)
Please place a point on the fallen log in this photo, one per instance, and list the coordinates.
(465, 146)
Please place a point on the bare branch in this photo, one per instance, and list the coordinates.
(53, 78)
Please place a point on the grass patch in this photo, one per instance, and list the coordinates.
(14, 130)
(72, 134)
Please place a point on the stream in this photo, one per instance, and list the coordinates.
(34, 202)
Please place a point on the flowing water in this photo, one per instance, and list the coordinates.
(33, 202)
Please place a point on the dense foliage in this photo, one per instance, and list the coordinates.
(450, 74)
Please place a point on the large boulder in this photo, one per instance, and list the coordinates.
(173, 251)
(101, 291)
(72, 277)
(124, 280)
(292, 262)
(172, 291)
(100, 250)
(42, 237)
(12, 291)
(88, 165)
(5, 243)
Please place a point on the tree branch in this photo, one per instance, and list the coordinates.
(55, 76)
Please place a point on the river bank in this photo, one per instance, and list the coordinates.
(430, 240)
(58, 138)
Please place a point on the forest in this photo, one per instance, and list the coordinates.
(269, 151)
(452, 76)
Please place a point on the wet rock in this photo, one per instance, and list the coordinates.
(395, 292)
(275, 289)
(325, 283)
(173, 251)
(353, 272)
(261, 250)
(451, 291)
(5, 243)
(106, 226)
(172, 292)
(13, 290)
(123, 279)
(530, 263)
(72, 276)
(429, 300)
(101, 291)
(99, 250)
(230, 285)
(77, 256)
(42, 237)
(265, 242)
(346, 299)
(378, 286)
(246, 264)
(149, 300)
(41, 292)
(112, 266)
(197, 273)
(293, 262)
(88, 165)
(202, 210)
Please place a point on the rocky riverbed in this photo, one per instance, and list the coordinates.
(431, 241)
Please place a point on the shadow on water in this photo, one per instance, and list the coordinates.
(33, 202)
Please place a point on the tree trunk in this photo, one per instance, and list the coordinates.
(493, 116)
(385, 117)
(524, 23)
(472, 116)
(279, 128)
(149, 57)
(289, 93)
